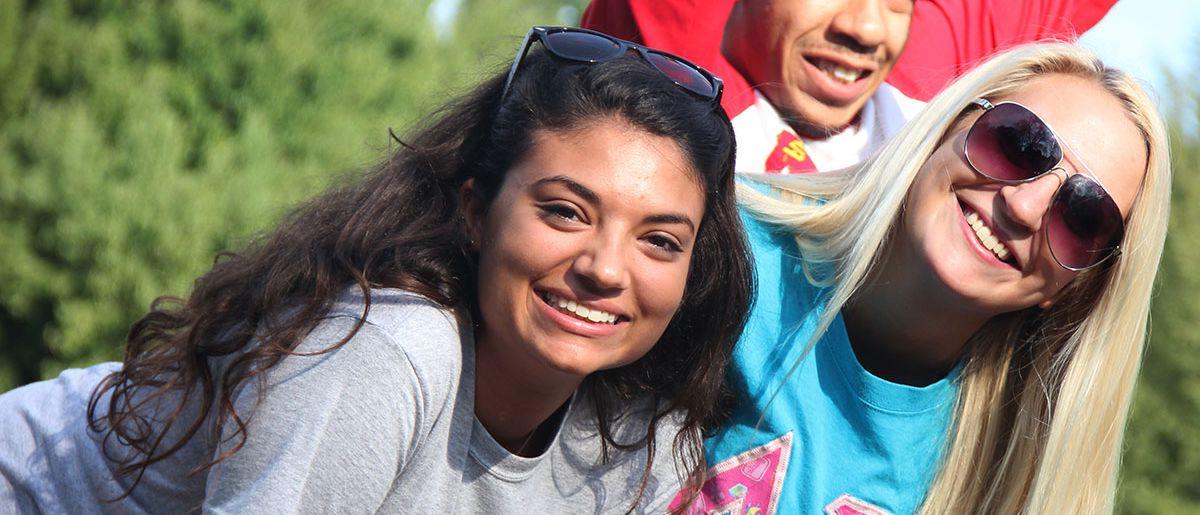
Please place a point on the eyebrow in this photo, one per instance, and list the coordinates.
(578, 189)
(671, 218)
(592, 197)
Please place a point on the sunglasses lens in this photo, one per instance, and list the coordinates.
(1010, 143)
(1083, 225)
(581, 46)
(682, 73)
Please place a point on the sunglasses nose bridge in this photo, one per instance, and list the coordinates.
(1060, 173)
(1026, 203)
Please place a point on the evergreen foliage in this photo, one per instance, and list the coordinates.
(138, 139)
(1161, 470)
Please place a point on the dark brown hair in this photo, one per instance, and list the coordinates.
(400, 227)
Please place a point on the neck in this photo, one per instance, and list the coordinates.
(513, 403)
(903, 339)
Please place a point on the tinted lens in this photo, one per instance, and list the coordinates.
(1010, 143)
(581, 46)
(1083, 225)
(682, 73)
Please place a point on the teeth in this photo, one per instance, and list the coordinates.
(574, 308)
(839, 72)
(845, 75)
(989, 241)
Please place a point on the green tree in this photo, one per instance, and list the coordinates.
(139, 139)
(1161, 471)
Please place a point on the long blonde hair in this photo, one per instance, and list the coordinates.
(1044, 394)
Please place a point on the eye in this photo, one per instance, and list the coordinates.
(664, 243)
(561, 212)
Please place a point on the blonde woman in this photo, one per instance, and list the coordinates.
(956, 325)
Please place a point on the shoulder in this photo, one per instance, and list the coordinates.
(396, 321)
(764, 238)
(398, 341)
(365, 383)
(784, 289)
(392, 309)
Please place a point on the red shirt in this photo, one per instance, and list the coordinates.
(947, 36)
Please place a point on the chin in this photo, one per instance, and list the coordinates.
(967, 288)
(961, 279)
(570, 359)
(817, 117)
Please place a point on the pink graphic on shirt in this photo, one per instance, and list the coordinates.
(847, 504)
(749, 483)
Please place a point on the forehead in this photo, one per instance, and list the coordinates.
(815, 12)
(1098, 133)
(628, 168)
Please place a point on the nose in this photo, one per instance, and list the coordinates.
(862, 21)
(602, 266)
(1026, 203)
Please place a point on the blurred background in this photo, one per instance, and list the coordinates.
(140, 138)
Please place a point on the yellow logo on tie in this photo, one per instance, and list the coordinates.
(795, 150)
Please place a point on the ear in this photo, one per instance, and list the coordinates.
(474, 211)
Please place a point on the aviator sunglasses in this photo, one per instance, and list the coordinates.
(1010, 143)
(589, 46)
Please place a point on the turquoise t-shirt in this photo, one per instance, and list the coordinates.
(835, 439)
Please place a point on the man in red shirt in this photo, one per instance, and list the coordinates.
(820, 84)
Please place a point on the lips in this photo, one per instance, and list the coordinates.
(837, 80)
(839, 72)
(571, 307)
(990, 241)
(609, 320)
(983, 236)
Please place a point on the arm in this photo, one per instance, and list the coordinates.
(948, 37)
(330, 433)
(691, 29)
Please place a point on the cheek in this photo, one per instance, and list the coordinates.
(926, 196)
(897, 20)
(661, 288)
(1057, 277)
(508, 264)
(896, 39)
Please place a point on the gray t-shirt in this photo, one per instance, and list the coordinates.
(384, 423)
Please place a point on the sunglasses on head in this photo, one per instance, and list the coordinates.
(1010, 143)
(589, 46)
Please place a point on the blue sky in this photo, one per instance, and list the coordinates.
(1143, 37)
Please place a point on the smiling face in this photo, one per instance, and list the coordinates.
(584, 252)
(818, 61)
(949, 204)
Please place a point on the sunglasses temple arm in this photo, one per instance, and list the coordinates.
(983, 103)
(512, 72)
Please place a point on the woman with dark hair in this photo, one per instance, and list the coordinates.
(528, 306)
